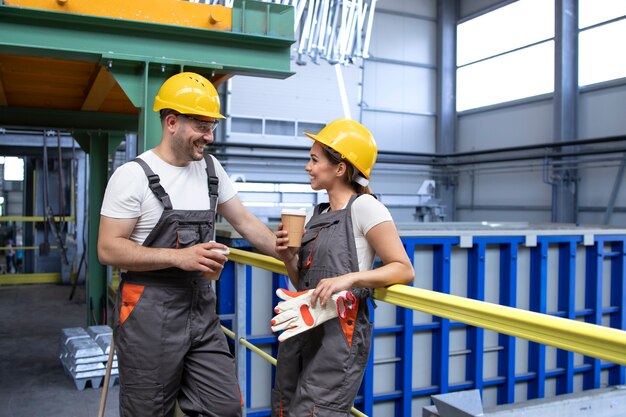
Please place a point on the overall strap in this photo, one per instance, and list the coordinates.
(155, 184)
(212, 180)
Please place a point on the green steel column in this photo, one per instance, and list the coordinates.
(115, 138)
(96, 273)
(149, 134)
(141, 82)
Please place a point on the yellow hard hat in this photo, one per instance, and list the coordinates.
(189, 93)
(352, 140)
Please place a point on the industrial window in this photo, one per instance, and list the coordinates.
(246, 125)
(528, 72)
(601, 41)
(506, 54)
(280, 127)
(13, 168)
(309, 128)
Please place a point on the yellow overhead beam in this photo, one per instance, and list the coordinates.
(3, 96)
(219, 79)
(172, 12)
(98, 90)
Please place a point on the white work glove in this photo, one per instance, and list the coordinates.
(295, 315)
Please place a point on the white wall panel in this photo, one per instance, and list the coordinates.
(596, 185)
(419, 38)
(467, 215)
(552, 279)
(617, 219)
(489, 397)
(419, 7)
(458, 273)
(468, 7)
(422, 359)
(502, 188)
(390, 183)
(417, 405)
(384, 409)
(492, 279)
(525, 124)
(602, 113)
(401, 132)
(400, 88)
(458, 359)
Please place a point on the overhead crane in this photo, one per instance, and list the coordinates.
(93, 67)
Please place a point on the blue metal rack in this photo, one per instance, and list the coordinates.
(554, 278)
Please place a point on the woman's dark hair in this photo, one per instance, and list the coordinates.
(335, 158)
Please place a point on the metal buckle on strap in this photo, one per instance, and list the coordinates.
(213, 185)
(153, 179)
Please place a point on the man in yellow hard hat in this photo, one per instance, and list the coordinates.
(157, 225)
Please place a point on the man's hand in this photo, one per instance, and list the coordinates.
(285, 253)
(296, 315)
(208, 258)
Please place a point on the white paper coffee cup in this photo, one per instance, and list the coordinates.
(293, 223)
(216, 276)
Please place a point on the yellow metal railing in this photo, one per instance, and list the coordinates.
(34, 219)
(575, 336)
(258, 260)
(37, 278)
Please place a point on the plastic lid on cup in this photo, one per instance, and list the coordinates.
(293, 212)
(224, 252)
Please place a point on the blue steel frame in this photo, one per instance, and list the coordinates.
(611, 248)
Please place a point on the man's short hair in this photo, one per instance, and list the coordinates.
(163, 113)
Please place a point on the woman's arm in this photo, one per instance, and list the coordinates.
(396, 269)
(248, 226)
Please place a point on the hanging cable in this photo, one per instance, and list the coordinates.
(44, 247)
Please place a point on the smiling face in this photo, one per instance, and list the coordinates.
(189, 137)
(322, 171)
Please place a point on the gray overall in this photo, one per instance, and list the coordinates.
(319, 371)
(169, 342)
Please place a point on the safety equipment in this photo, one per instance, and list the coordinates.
(352, 140)
(295, 314)
(189, 93)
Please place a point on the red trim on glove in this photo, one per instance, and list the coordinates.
(306, 315)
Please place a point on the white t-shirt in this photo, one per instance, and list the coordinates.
(367, 212)
(128, 196)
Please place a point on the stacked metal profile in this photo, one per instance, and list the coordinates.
(84, 355)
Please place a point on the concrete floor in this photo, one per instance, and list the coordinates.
(32, 380)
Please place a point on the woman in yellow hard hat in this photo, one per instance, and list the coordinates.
(327, 333)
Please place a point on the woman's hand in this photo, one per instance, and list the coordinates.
(328, 286)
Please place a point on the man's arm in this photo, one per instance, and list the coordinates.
(115, 248)
(248, 226)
